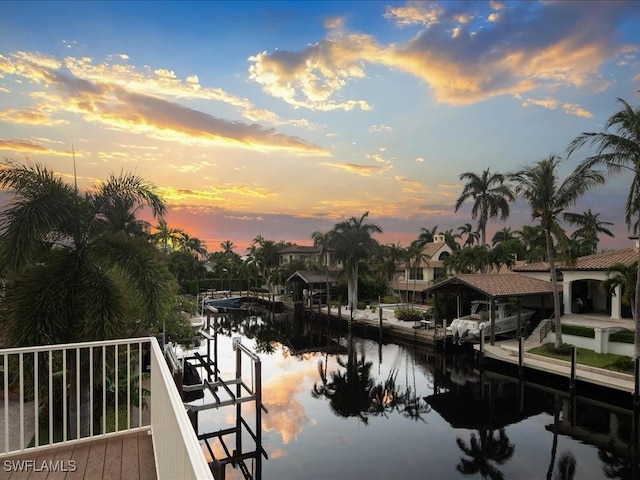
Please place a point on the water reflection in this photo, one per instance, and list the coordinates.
(482, 451)
(333, 400)
(353, 393)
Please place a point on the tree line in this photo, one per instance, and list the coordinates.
(82, 266)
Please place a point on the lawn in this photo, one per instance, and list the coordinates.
(609, 361)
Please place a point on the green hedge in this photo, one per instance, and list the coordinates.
(577, 331)
(623, 336)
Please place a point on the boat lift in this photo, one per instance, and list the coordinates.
(225, 393)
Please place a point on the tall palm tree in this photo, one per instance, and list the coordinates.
(323, 241)
(589, 229)
(548, 197)
(490, 195)
(352, 242)
(617, 148)
(415, 258)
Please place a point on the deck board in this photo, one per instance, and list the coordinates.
(127, 456)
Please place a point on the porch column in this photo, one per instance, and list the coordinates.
(616, 304)
(566, 296)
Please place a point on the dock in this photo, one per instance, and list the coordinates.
(507, 352)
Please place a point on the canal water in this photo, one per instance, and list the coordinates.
(348, 405)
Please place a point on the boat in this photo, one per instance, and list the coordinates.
(466, 329)
(223, 304)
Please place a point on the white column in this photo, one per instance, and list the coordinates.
(566, 296)
(616, 304)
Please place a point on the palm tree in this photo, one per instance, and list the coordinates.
(618, 149)
(491, 196)
(548, 197)
(193, 245)
(322, 241)
(472, 237)
(416, 257)
(168, 238)
(503, 235)
(352, 242)
(624, 277)
(589, 229)
(533, 242)
(55, 249)
(227, 246)
(71, 279)
(426, 236)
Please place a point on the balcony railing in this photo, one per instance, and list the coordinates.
(80, 392)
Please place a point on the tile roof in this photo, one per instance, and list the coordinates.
(310, 277)
(597, 261)
(299, 249)
(432, 248)
(496, 285)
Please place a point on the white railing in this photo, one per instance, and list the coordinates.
(55, 395)
(177, 449)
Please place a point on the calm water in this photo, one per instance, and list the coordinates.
(345, 407)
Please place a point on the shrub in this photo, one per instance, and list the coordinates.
(361, 306)
(409, 314)
(624, 364)
(623, 336)
(565, 349)
(389, 299)
(578, 331)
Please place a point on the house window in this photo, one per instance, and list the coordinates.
(416, 273)
(438, 273)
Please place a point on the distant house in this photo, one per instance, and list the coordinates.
(581, 291)
(310, 255)
(412, 280)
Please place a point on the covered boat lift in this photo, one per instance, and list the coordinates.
(494, 286)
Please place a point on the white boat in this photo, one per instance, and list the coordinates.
(467, 329)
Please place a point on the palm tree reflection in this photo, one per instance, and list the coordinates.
(353, 393)
(482, 450)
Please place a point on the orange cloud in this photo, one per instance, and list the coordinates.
(33, 147)
(286, 414)
(364, 170)
(103, 99)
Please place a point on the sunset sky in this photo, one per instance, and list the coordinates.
(282, 118)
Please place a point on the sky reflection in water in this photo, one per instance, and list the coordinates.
(393, 412)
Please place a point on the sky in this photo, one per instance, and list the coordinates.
(283, 118)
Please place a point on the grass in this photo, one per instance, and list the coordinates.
(609, 361)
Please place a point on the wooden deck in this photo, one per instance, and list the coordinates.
(127, 456)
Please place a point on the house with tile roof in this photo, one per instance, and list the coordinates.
(414, 280)
(581, 291)
(308, 254)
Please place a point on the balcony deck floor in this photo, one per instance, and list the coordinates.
(127, 456)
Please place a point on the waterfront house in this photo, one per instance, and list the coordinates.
(581, 282)
(414, 279)
(308, 254)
